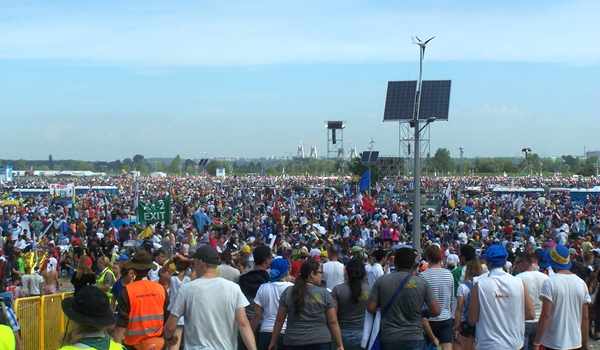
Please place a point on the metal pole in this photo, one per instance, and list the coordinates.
(416, 240)
(461, 180)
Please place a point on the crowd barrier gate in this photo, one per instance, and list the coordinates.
(41, 320)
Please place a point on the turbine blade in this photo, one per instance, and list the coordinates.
(418, 38)
(429, 40)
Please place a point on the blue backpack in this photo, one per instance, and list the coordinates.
(467, 303)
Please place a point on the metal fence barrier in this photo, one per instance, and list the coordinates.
(41, 320)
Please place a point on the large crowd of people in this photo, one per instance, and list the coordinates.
(250, 262)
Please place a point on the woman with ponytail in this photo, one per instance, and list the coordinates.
(351, 303)
(310, 313)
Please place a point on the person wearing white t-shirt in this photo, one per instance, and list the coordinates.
(452, 257)
(561, 237)
(333, 270)
(534, 280)
(564, 320)
(267, 303)
(499, 305)
(15, 232)
(377, 270)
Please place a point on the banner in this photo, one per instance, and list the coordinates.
(63, 191)
(154, 212)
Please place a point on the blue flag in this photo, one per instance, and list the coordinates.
(365, 179)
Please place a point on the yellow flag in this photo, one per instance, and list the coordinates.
(145, 233)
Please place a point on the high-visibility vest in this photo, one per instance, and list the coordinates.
(113, 346)
(7, 337)
(146, 311)
(101, 281)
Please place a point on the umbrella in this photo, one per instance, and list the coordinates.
(118, 223)
(468, 209)
(201, 220)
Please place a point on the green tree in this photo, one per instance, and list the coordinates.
(588, 168)
(211, 167)
(442, 162)
(137, 158)
(142, 166)
(572, 162)
(175, 163)
(21, 164)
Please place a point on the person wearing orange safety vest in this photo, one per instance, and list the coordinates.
(142, 308)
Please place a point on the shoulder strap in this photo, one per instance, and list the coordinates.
(400, 287)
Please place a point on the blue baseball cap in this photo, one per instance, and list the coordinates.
(279, 267)
(496, 255)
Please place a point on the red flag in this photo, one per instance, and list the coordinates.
(213, 243)
(367, 204)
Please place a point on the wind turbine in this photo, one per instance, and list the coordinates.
(421, 44)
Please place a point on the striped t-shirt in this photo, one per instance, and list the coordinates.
(442, 283)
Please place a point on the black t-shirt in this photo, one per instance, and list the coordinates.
(15, 266)
(85, 280)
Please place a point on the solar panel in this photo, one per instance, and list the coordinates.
(364, 157)
(400, 100)
(373, 157)
(369, 157)
(435, 99)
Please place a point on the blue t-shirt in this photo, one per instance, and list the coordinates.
(116, 289)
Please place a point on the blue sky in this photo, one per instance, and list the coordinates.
(101, 81)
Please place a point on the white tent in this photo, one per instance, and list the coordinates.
(158, 174)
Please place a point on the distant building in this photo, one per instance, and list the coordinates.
(592, 153)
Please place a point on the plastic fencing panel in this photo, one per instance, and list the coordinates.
(53, 320)
(28, 311)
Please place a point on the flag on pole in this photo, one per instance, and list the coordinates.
(448, 192)
(145, 233)
(136, 192)
(365, 179)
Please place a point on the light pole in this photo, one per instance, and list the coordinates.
(460, 183)
(416, 239)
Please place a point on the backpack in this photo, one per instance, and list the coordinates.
(467, 302)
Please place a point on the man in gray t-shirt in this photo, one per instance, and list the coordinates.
(402, 325)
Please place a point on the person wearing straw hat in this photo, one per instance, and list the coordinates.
(142, 307)
(90, 314)
(564, 322)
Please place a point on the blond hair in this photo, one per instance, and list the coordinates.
(75, 334)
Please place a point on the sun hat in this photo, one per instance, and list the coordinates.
(303, 252)
(279, 267)
(558, 257)
(496, 255)
(140, 261)
(542, 261)
(90, 307)
(208, 254)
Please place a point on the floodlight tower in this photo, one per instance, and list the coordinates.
(416, 239)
